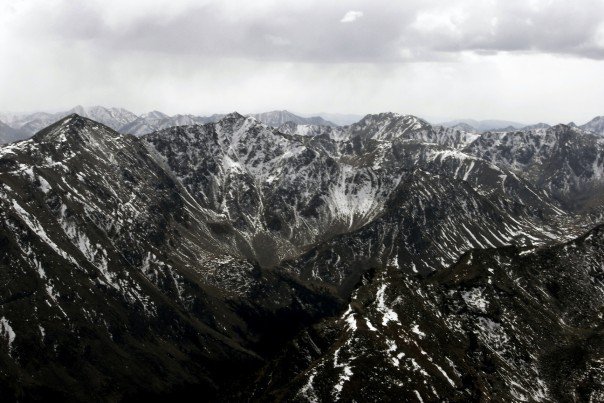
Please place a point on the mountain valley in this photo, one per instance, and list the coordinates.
(298, 260)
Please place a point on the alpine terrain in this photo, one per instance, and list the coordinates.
(271, 258)
(14, 127)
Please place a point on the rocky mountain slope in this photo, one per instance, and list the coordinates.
(383, 259)
(504, 324)
(565, 161)
(105, 262)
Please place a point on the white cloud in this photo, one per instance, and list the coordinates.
(351, 16)
(508, 59)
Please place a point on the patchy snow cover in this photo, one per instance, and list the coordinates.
(349, 319)
(415, 329)
(388, 315)
(475, 299)
(35, 226)
(7, 332)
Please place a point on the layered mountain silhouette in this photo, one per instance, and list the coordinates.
(22, 126)
(388, 259)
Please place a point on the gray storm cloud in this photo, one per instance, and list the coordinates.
(353, 56)
(388, 31)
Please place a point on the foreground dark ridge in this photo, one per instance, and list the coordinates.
(388, 258)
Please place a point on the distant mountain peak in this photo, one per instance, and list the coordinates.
(73, 120)
(484, 125)
(536, 126)
(394, 118)
(596, 119)
(277, 118)
(78, 109)
(233, 115)
(596, 125)
(75, 128)
(570, 127)
(154, 115)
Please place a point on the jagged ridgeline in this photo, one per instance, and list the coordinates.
(389, 259)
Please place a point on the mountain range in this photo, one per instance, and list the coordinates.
(483, 125)
(389, 259)
(596, 125)
(15, 127)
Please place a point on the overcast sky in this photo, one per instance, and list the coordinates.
(523, 60)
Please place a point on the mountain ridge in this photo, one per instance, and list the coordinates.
(234, 259)
(125, 121)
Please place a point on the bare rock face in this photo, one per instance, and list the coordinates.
(383, 259)
(564, 161)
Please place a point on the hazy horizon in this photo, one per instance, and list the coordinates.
(325, 115)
